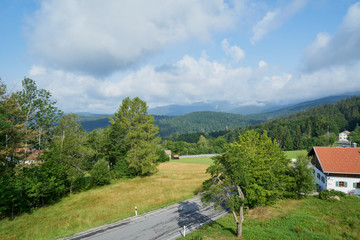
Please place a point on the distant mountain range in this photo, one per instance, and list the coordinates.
(211, 116)
(224, 106)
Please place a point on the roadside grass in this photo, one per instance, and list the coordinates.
(309, 218)
(195, 160)
(174, 182)
(294, 154)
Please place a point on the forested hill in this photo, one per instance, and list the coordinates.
(315, 126)
(203, 122)
(270, 115)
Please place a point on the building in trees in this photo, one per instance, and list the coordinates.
(343, 136)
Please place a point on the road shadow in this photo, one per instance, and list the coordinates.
(190, 215)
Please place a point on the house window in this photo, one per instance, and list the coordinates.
(318, 175)
(356, 185)
(341, 184)
(323, 179)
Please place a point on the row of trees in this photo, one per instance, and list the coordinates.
(45, 155)
(202, 146)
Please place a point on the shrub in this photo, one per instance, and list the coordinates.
(100, 174)
(326, 194)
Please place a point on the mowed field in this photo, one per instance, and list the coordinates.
(173, 183)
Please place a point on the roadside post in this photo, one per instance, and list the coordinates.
(135, 211)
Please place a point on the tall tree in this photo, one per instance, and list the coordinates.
(254, 171)
(297, 138)
(69, 147)
(133, 121)
(40, 113)
(304, 178)
(11, 128)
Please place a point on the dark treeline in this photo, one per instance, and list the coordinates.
(204, 122)
(318, 126)
(45, 155)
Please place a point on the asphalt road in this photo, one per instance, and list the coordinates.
(165, 223)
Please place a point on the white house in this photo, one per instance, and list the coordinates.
(343, 136)
(337, 168)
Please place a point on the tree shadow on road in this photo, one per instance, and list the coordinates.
(190, 216)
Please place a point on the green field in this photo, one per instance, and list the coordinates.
(209, 161)
(173, 182)
(195, 160)
(309, 218)
(294, 154)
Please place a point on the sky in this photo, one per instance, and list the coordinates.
(90, 54)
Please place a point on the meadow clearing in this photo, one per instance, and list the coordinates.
(174, 182)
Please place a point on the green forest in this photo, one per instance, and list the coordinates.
(318, 126)
(46, 155)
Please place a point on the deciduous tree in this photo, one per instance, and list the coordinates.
(254, 171)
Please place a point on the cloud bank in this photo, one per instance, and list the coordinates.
(78, 56)
(342, 48)
(275, 19)
(95, 38)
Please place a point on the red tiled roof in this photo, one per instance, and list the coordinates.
(339, 160)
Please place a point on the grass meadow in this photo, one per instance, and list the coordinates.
(195, 160)
(173, 183)
(294, 154)
(309, 218)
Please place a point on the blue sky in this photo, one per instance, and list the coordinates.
(90, 54)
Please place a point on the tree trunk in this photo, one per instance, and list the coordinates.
(239, 229)
(241, 212)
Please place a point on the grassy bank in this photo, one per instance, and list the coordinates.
(172, 183)
(309, 218)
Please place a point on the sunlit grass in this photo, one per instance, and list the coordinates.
(172, 183)
(309, 218)
(295, 154)
(195, 160)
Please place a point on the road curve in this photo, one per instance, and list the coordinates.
(165, 223)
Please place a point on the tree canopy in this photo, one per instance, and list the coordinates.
(254, 171)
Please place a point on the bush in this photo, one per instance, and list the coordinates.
(162, 156)
(326, 194)
(100, 174)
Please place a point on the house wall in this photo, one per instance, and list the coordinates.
(324, 181)
(343, 137)
(320, 178)
(331, 184)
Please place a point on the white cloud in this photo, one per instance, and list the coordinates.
(340, 49)
(100, 37)
(235, 52)
(275, 19)
(190, 80)
(262, 64)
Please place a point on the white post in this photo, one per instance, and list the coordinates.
(184, 231)
(135, 211)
